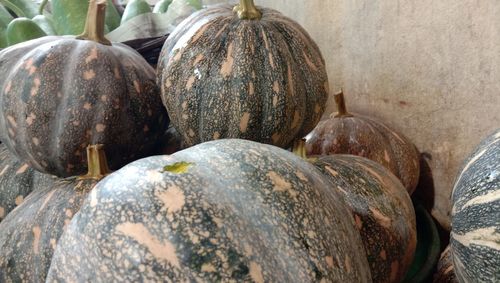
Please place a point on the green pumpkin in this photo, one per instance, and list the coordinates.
(17, 180)
(60, 94)
(227, 210)
(475, 216)
(29, 234)
(259, 77)
(382, 209)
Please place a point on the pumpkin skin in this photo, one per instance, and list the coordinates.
(242, 211)
(29, 234)
(445, 272)
(475, 216)
(17, 180)
(222, 77)
(362, 136)
(382, 209)
(61, 94)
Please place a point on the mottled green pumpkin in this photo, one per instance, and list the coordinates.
(29, 234)
(475, 216)
(382, 209)
(444, 271)
(221, 211)
(17, 180)
(261, 79)
(344, 133)
(60, 94)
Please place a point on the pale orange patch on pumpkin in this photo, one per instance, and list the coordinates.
(161, 250)
(12, 121)
(35, 141)
(8, 87)
(271, 60)
(88, 75)
(185, 116)
(275, 100)
(276, 137)
(2, 212)
(358, 221)
(191, 133)
(227, 65)
(381, 219)
(29, 66)
(36, 86)
(198, 59)
(69, 213)
(36, 239)
(22, 169)
(256, 272)
(221, 31)
(208, 267)
(276, 87)
(280, 184)
(386, 156)
(216, 135)
(30, 119)
(137, 87)
(251, 88)
(317, 108)
(87, 106)
(19, 200)
(100, 128)
(117, 74)
(348, 266)
(244, 122)
(309, 62)
(200, 32)
(92, 55)
(301, 176)
(329, 261)
(173, 199)
(4, 170)
(190, 82)
(76, 123)
(266, 43)
(104, 98)
(178, 55)
(383, 255)
(332, 171)
(296, 119)
(394, 271)
(11, 132)
(53, 243)
(168, 83)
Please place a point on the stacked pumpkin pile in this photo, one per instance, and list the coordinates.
(239, 84)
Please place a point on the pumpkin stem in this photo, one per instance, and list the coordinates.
(94, 25)
(16, 10)
(97, 163)
(341, 108)
(42, 6)
(246, 10)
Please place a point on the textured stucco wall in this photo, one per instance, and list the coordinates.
(430, 69)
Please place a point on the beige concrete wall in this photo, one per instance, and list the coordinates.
(430, 69)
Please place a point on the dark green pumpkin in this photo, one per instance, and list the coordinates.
(60, 94)
(382, 209)
(261, 79)
(475, 216)
(227, 210)
(344, 133)
(17, 180)
(29, 234)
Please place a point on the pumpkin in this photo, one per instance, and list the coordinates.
(226, 210)
(251, 73)
(17, 180)
(63, 93)
(475, 215)
(445, 272)
(29, 234)
(382, 209)
(344, 133)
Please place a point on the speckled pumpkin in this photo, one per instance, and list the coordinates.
(445, 272)
(382, 209)
(61, 94)
(261, 79)
(344, 133)
(227, 210)
(17, 180)
(475, 216)
(29, 234)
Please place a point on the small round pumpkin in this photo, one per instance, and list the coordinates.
(445, 272)
(344, 133)
(61, 94)
(251, 73)
(382, 209)
(475, 216)
(226, 210)
(29, 234)
(17, 180)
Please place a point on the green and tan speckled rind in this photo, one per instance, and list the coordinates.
(243, 211)
(445, 272)
(475, 216)
(382, 209)
(29, 234)
(17, 180)
(62, 94)
(261, 80)
(368, 138)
